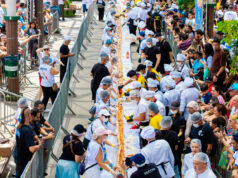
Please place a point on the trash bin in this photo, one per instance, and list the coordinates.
(11, 66)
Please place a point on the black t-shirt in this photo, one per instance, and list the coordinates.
(24, 140)
(35, 128)
(204, 133)
(165, 49)
(171, 137)
(64, 49)
(151, 54)
(147, 171)
(150, 24)
(157, 17)
(99, 71)
(42, 119)
(178, 123)
(77, 148)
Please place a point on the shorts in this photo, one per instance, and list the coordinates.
(40, 79)
(85, 8)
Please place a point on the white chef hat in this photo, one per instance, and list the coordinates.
(148, 63)
(142, 4)
(141, 25)
(148, 132)
(149, 32)
(134, 93)
(181, 57)
(169, 83)
(152, 83)
(188, 82)
(168, 68)
(175, 74)
(135, 84)
(148, 94)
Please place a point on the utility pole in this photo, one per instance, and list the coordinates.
(210, 18)
(11, 63)
(40, 20)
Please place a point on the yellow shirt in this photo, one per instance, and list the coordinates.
(156, 73)
(142, 80)
(155, 121)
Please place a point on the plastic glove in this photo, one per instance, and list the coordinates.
(129, 118)
(120, 87)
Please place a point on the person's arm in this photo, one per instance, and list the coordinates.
(171, 56)
(47, 124)
(35, 148)
(158, 57)
(79, 159)
(50, 136)
(54, 71)
(101, 164)
(38, 51)
(141, 117)
(182, 104)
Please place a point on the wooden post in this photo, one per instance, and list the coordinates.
(210, 21)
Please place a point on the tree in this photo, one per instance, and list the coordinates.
(230, 29)
(186, 5)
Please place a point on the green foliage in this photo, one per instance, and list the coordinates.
(230, 29)
(186, 5)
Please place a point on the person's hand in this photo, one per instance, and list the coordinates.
(187, 141)
(13, 130)
(114, 174)
(120, 87)
(208, 151)
(40, 142)
(229, 167)
(71, 54)
(51, 136)
(129, 118)
(215, 78)
(52, 129)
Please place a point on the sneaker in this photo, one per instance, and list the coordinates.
(91, 119)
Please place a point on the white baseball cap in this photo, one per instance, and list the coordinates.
(103, 112)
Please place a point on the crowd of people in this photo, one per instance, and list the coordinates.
(186, 109)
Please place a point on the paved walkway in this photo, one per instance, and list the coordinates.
(82, 102)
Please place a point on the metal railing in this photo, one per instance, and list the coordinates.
(56, 115)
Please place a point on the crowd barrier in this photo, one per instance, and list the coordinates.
(221, 172)
(35, 168)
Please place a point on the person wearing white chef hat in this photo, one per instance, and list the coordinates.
(181, 66)
(140, 113)
(177, 77)
(171, 95)
(149, 68)
(190, 93)
(158, 152)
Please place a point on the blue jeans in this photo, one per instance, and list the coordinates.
(176, 170)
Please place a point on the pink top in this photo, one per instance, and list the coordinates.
(221, 99)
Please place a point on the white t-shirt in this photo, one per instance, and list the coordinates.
(60, 2)
(93, 126)
(190, 22)
(235, 156)
(47, 1)
(53, 58)
(92, 152)
(1, 15)
(47, 78)
(230, 15)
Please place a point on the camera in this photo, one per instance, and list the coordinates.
(128, 162)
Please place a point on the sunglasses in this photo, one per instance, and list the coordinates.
(107, 117)
(46, 49)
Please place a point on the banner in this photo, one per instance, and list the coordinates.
(198, 14)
